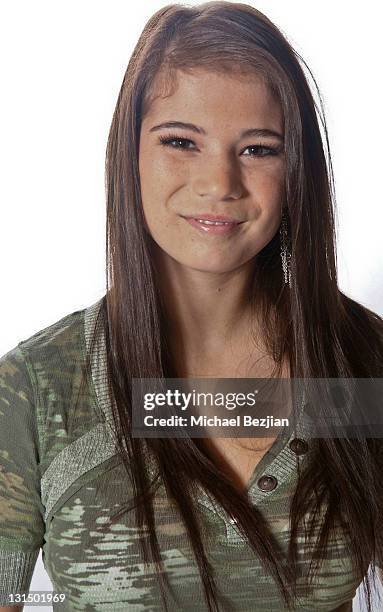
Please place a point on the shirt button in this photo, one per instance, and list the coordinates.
(298, 446)
(267, 483)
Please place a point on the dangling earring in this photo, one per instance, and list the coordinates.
(285, 250)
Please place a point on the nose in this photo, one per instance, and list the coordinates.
(219, 179)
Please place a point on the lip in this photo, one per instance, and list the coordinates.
(231, 225)
(210, 217)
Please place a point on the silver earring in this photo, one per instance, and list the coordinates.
(285, 248)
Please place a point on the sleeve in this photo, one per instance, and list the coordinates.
(21, 509)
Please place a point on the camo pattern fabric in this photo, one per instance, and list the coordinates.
(61, 478)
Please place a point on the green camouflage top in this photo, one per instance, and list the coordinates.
(61, 476)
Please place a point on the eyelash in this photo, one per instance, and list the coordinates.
(167, 140)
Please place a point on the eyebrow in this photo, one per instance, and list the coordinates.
(199, 130)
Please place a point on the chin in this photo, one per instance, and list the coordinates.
(218, 267)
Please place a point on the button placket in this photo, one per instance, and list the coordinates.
(279, 469)
(233, 535)
(283, 464)
(276, 472)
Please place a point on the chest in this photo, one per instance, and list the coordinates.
(238, 457)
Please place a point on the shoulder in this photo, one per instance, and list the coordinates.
(54, 348)
(43, 380)
(39, 359)
(64, 335)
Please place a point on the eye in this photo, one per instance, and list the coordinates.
(173, 138)
(263, 151)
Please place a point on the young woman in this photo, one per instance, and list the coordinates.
(221, 264)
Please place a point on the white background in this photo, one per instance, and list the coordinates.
(62, 67)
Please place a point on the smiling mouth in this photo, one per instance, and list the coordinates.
(206, 222)
(213, 226)
(213, 219)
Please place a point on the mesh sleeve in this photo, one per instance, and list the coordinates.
(21, 510)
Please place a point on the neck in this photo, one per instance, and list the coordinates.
(208, 313)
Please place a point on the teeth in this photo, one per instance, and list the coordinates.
(214, 222)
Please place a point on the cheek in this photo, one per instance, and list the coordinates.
(268, 191)
(158, 178)
(269, 183)
(155, 192)
(268, 194)
(149, 183)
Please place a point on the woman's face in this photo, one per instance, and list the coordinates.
(207, 167)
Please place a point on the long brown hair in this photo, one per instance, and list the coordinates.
(321, 331)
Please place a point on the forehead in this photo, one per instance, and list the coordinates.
(215, 99)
